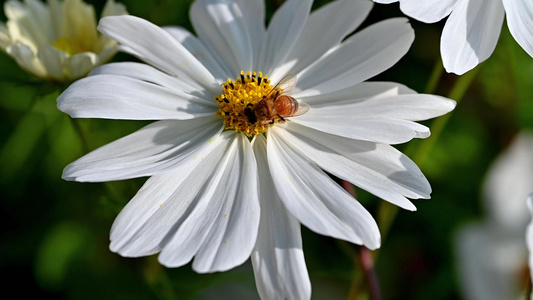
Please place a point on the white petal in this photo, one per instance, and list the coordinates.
(112, 8)
(150, 74)
(380, 169)
(470, 34)
(508, 182)
(120, 97)
(107, 47)
(78, 19)
(365, 54)
(29, 22)
(315, 199)
(415, 107)
(490, 265)
(283, 32)
(387, 131)
(53, 60)
(221, 230)
(80, 64)
(26, 59)
(221, 26)
(253, 12)
(278, 258)
(149, 220)
(428, 11)
(378, 119)
(156, 148)
(202, 54)
(520, 22)
(56, 16)
(155, 46)
(5, 40)
(341, 17)
(243, 31)
(358, 92)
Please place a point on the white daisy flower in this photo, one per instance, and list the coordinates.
(473, 28)
(57, 40)
(491, 254)
(231, 177)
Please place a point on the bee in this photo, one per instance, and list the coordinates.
(281, 105)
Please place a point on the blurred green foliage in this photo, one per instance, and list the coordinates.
(54, 236)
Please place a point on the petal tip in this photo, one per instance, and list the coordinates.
(67, 175)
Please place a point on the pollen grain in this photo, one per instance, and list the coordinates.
(242, 94)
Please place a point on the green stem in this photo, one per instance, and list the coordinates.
(387, 212)
(357, 278)
(434, 78)
(457, 93)
(157, 278)
(18, 147)
(386, 215)
(77, 127)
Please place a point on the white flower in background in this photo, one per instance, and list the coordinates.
(473, 28)
(58, 40)
(529, 238)
(225, 186)
(492, 253)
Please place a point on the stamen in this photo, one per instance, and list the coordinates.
(238, 103)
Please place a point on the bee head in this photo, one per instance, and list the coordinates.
(250, 114)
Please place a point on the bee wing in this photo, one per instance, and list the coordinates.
(302, 108)
(287, 84)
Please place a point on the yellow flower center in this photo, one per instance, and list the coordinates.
(71, 46)
(77, 32)
(238, 103)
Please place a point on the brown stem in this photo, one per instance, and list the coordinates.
(348, 187)
(365, 259)
(367, 264)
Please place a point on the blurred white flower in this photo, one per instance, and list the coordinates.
(225, 186)
(473, 28)
(492, 253)
(529, 239)
(58, 40)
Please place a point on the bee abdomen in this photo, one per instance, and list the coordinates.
(286, 106)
